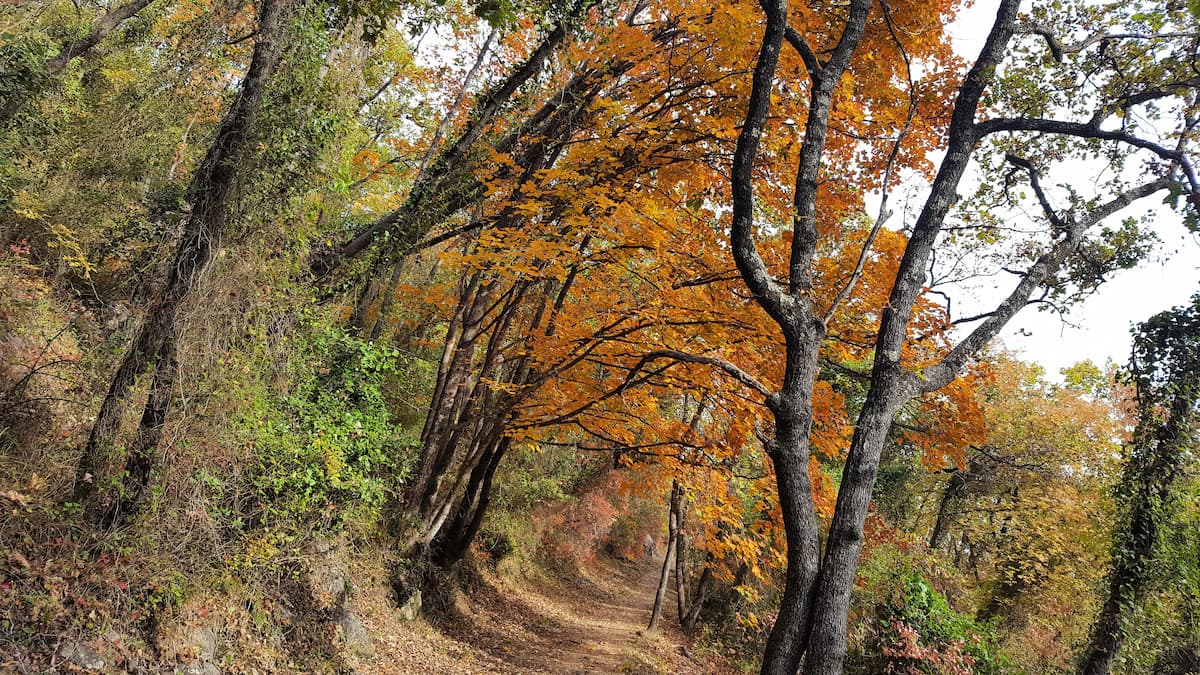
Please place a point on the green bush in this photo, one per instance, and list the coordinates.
(916, 631)
(326, 451)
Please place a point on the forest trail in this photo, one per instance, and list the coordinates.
(592, 623)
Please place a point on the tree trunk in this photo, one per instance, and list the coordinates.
(703, 587)
(452, 541)
(212, 197)
(789, 454)
(468, 417)
(891, 384)
(680, 575)
(1178, 660)
(954, 492)
(1133, 551)
(372, 289)
(453, 392)
(672, 546)
(142, 452)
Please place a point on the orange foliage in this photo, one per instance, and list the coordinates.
(625, 239)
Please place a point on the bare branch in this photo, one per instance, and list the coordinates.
(730, 369)
(1175, 156)
(889, 167)
(741, 232)
(1060, 50)
(944, 372)
(1055, 221)
(797, 41)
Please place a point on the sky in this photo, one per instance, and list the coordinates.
(1101, 324)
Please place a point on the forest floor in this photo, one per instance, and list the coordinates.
(592, 623)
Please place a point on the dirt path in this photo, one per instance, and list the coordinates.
(592, 624)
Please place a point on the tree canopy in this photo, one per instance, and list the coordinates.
(288, 277)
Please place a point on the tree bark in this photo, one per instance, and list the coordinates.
(680, 573)
(891, 384)
(703, 587)
(954, 491)
(452, 542)
(453, 392)
(785, 645)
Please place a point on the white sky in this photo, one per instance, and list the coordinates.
(1102, 322)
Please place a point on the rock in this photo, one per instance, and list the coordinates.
(81, 655)
(203, 642)
(284, 614)
(327, 575)
(411, 607)
(355, 634)
(118, 314)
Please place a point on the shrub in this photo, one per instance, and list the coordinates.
(326, 451)
(916, 631)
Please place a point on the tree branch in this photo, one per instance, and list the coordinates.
(109, 22)
(741, 232)
(1020, 162)
(947, 369)
(1060, 50)
(1047, 126)
(883, 213)
(797, 41)
(729, 369)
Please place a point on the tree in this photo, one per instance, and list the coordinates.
(212, 196)
(1027, 515)
(449, 183)
(671, 557)
(812, 621)
(1165, 370)
(15, 71)
(624, 285)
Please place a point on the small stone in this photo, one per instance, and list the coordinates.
(81, 655)
(411, 607)
(284, 615)
(327, 575)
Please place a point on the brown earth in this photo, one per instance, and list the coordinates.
(593, 623)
